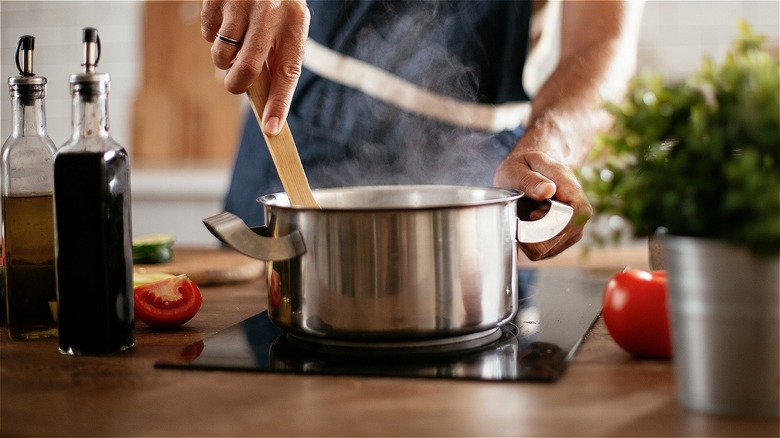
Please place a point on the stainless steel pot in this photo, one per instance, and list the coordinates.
(391, 262)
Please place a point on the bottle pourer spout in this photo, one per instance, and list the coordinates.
(24, 55)
(91, 49)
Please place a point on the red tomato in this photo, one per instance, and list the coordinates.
(167, 303)
(634, 311)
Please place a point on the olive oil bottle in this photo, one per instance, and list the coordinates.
(28, 219)
(93, 222)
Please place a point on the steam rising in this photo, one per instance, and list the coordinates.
(392, 146)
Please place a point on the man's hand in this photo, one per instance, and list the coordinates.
(272, 31)
(541, 177)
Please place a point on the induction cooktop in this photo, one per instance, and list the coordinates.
(557, 308)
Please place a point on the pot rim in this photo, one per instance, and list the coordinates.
(494, 195)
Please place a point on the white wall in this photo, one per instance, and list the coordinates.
(673, 38)
(676, 34)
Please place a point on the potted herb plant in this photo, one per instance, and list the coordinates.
(699, 162)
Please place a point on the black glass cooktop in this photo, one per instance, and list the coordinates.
(558, 307)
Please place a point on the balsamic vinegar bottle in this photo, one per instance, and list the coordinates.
(93, 222)
(28, 219)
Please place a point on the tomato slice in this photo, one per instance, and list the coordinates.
(167, 303)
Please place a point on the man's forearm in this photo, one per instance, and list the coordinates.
(598, 55)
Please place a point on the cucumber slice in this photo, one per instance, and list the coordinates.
(153, 248)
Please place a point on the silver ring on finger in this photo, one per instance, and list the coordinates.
(229, 41)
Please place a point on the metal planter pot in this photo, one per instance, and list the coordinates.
(723, 305)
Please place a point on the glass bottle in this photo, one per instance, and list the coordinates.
(93, 222)
(28, 219)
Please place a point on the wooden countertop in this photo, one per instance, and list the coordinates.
(604, 392)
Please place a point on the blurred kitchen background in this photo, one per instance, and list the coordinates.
(169, 109)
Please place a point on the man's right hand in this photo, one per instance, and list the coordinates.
(272, 31)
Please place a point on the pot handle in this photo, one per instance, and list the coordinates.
(231, 230)
(547, 227)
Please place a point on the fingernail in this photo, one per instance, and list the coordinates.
(272, 126)
(543, 190)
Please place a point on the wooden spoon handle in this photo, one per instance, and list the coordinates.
(282, 148)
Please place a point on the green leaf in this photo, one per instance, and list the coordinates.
(700, 157)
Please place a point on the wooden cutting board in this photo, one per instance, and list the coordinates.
(209, 267)
(181, 111)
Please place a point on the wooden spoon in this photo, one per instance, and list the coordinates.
(282, 147)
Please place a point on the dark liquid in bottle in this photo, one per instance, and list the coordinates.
(29, 270)
(94, 252)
